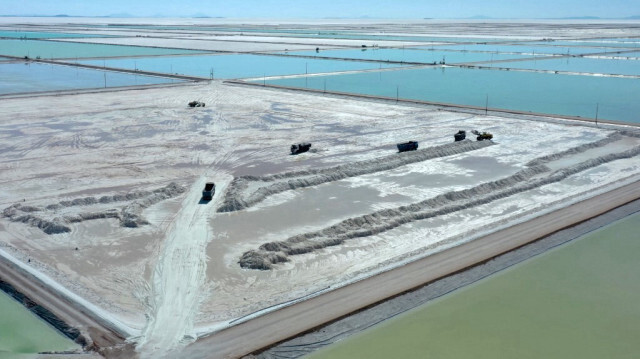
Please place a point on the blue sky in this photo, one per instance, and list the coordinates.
(329, 8)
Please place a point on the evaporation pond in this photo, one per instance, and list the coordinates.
(324, 34)
(44, 35)
(409, 55)
(22, 333)
(529, 49)
(593, 43)
(578, 64)
(577, 301)
(515, 90)
(38, 77)
(236, 66)
(61, 49)
(374, 37)
(635, 55)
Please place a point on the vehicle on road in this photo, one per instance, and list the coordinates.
(407, 146)
(196, 104)
(300, 148)
(209, 191)
(461, 135)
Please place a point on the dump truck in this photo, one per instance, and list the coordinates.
(407, 146)
(461, 135)
(484, 136)
(300, 148)
(209, 191)
(196, 104)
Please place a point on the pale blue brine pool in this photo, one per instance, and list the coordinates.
(44, 35)
(529, 49)
(578, 64)
(325, 34)
(374, 37)
(409, 55)
(632, 43)
(236, 66)
(633, 55)
(619, 39)
(615, 98)
(37, 77)
(60, 49)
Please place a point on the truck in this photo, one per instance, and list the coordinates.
(196, 104)
(209, 191)
(407, 146)
(300, 148)
(484, 136)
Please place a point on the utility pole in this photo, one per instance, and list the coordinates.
(397, 93)
(105, 79)
(486, 105)
(597, 107)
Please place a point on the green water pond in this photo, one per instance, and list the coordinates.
(580, 300)
(23, 334)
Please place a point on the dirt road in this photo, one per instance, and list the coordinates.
(179, 276)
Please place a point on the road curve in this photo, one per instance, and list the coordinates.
(271, 328)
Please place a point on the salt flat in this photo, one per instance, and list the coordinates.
(100, 190)
(239, 44)
(66, 147)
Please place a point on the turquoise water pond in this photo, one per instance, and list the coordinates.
(592, 43)
(325, 34)
(578, 64)
(59, 49)
(529, 49)
(619, 39)
(409, 55)
(37, 77)
(515, 90)
(348, 36)
(44, 35)
(236, 66)
(630, 55)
